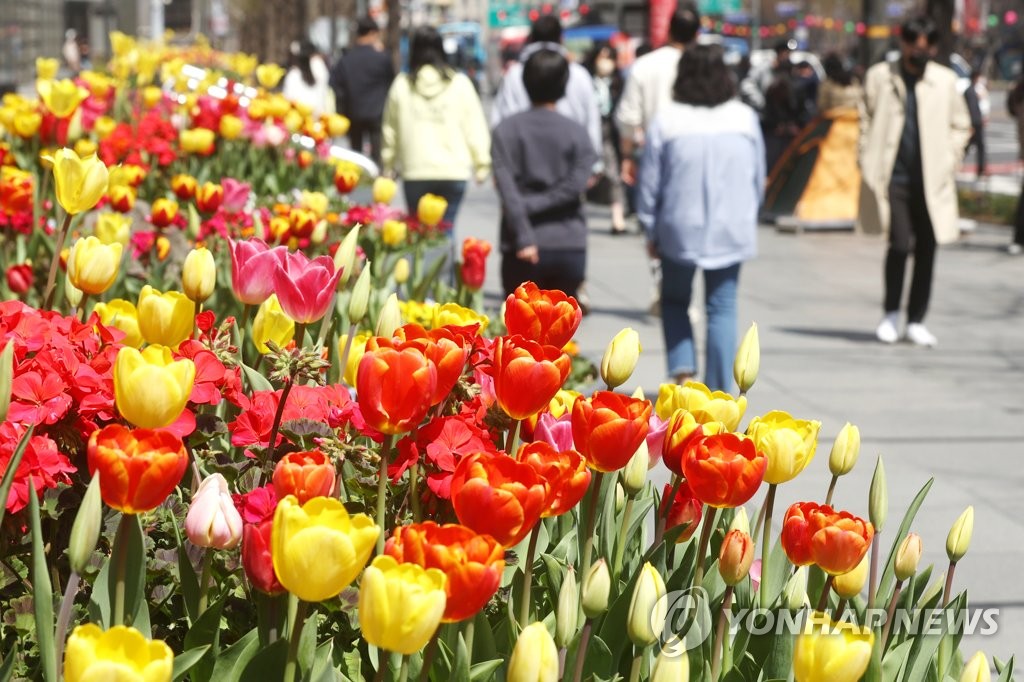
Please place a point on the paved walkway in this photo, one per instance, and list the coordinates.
(955, 412)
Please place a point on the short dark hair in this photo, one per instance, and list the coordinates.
(914, 28)
(365, 26)
(703, 79)
(835, 69)
(685, 23)
(546, 29)
(545, 76)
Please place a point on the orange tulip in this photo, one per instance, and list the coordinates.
(608, 427)
(817, 534)
(735, 556)
(682, 509)
(681, 428)
(138, 468)
(441, 348)
(496, 495)
(723, 469)
(527, 375)
(565, 473)
(305, 475)
(392, 387)
(473, 563)
(546, 316)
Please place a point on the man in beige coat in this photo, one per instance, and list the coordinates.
(914, 129)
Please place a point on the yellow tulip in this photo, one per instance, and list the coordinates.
(104, 126)
(976, 669)
(394, 232)
(126, 175)
(269, 75)
(908, 556)
(199, 274)
(316, 202)
(81, 182)
(355, 354)
(672, 664)
(390, 317)
(647, 608)
(401, 271)
(121, 314)
(93, 265)
(788, 443)
(273, 324)
(99, 83)
(244, 64)
(278, 106)
(705, 405)
(61, 97)
(151, 96)
(337, 125)
(318, 548)
(151, 388)
(149, 61)
(845, 450)
(400, 605)
(849, 585)
(748, 360)
(597, 584)
(85, 147)
(827, 651)
(121, 44)
(165, 318)
(46, 68)
(384, 190)
(113, 228)
(620, 358)
(959, 538)
(431, 209)
(455, 314)
(416, 312)
(121, 653)
(26, 123)
(230, 127)
(197, 140)
(535, 656)
(293, 121)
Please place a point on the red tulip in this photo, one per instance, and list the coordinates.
(256, 558)
(527, 375)
(817, 534)
(304, 287)
(723, 469)
(253, 264)
(138, 468)
(305, 475)
(565, 473)
(209, 197)
(548, 317)
(393, 386)
(440, 346)
(20, 278)
(474, 262)
(681, 428)
(498, 496)
(608, 427)
(684, 509)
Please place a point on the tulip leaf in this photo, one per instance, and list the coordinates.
(485, 670)
(42, 591)
(184, 661)
(323, 669)
(7, 667)
(927, 642)
(599, 659)
(205, 631)
(267, 665)
(257, 381)
(1005, 671)
(894, 660)
(460, 669)
(234, 659)
(886, 583)
(419, 293)
(186, 577)
(12, 468)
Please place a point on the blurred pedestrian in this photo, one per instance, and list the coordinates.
(71, 52)
(307, 80)
(839, 91)
(1015, 105)
(608, 84)
(973, 99)
(700, 187)
(909, 188)
(542, 163)
(360, 80)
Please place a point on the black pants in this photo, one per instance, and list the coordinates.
(360, 132)
(978, 142)
(910, 232)
(563, 270)
(1018, 230)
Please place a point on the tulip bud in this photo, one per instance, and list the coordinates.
(845, 450)
(959, 538)
(620, 358)
(359, 302)
(199, 274)
(72, 293)
(535, 657)
(647, 609)
(878, 498)
(383, 190)
(634, 475)
(85, 532)
(672, 664)
(849, 585)
(345, 256)
(319, 232)
(735, 557)
(390, 317)
(567, 616)
(620, 497)
(740, 520)
(596, 586)
(6, 378)
(401, 271)
(908, 556)
(794, 596)
(976, 669)
(212, 520)
(748, 360)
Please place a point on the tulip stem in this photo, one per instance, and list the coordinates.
(823, 599)
(428, 657)
(512, 438)
(840, 607)
(702, 547)
(831, 489)
(620, 545)
(343, 364)
(890, 613)
(663, 514)
(80, 313)
(468, 635)
(204, 582)
(949, 583)
(120, 567)
(64, 617)
(716, 649)
(414, 493)
(241, 328)
(634, 671)
(766, 541)
(271, 446)
(524, 608)
(51, 279)
(581, 653)
(292, 664)
(873, 580)
(403, 672)
(588, 541)
(382, 490)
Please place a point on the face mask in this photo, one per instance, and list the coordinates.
(919, 59)
(605, 67)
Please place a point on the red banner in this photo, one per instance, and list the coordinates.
(661, 16)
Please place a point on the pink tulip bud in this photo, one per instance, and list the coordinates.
(212, 519)
(304, 287)
(252, 270)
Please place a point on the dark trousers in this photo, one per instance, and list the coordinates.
(910, 232)
(363, 132)
(978, 142)
(1018, 229)
(563, 270)
(451, 190)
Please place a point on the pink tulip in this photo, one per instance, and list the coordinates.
(252, 270)
(236, 194)
(305, 287)
(555, 432)
(656, 439)
(212, 520)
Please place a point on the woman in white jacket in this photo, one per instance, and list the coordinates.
(307, 80)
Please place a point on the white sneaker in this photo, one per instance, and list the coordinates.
(1015, 249)
(886, 331)
(919, 335)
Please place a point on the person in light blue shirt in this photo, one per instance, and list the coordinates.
(700, 187)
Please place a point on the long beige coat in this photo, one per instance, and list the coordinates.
(945, 127)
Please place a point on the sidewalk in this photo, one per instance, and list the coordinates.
(955, 412)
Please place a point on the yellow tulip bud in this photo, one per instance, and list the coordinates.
(6, 378)
(794, 595)
(197, 140)
(163, 247)
(46, 68)
(620, 497)
(72, 293)
(672, 664)
(845, 450)
(27, 123)
(748, 360)
(568, 612)
(620, 358)
(740, 520)
(85, 147)
(977, 669)
(597, 585)
(269, 75)
(230, 127)
(647, 608)
(165, 318)
(355, 354)
(827, 651)
(933, 590)
(93, 265)
(337, 125)
(113, 228)
(849, 585)
(293, 121)
(788, 443)
(535, 656)
(383, 190)
(390, 317)
(151, 388)
(121, 314)
(908, 556)
(401, 271)
(878, 498)
(345, 256)
(400, 605)
(199, 274)
(121, 653)
(104, 126)
(272, 324)
(318, 549)
(431, 209)
(81, 182)
(85, 531)
(393, 232)
(634, 474)
(151, 96)
(359, 302)
(959, 538)
(61, 97)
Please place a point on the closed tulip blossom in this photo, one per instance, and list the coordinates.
(431, 209)
(682, 510)
(393, 388)
(209, 197)
(253, 264)
(827, 651)
(608, 427)
(400, 604)
(151, 388)
(498, 496)
(305, 287)
(93, 265)
(271, 324)
(81, 182)
(546, 316)
(212, 520)
(735, 556)
(724, 469)
(138, 468)
(166, 318)
(527, 375)
(256, 557)
(535, 656)
(163, 212)
(120, 653)
(305, 475)
(199, 274)
(474, 263)
(788, 443)
(817, 534)
(565, 473)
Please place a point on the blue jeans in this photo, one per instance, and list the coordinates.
(720, 303)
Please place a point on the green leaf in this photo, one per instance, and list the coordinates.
(187, 580)
(233, 660)
(7, 667)
(1006, 673)
(42, 591)
(460, 669)
(599, 658)
(894, 661)
(257, 381)
(12, 467)
(186, 659)
(267, 665)
(322, 669)
(483, 671)
(129, 546)
(926, 645)
(205, 631)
